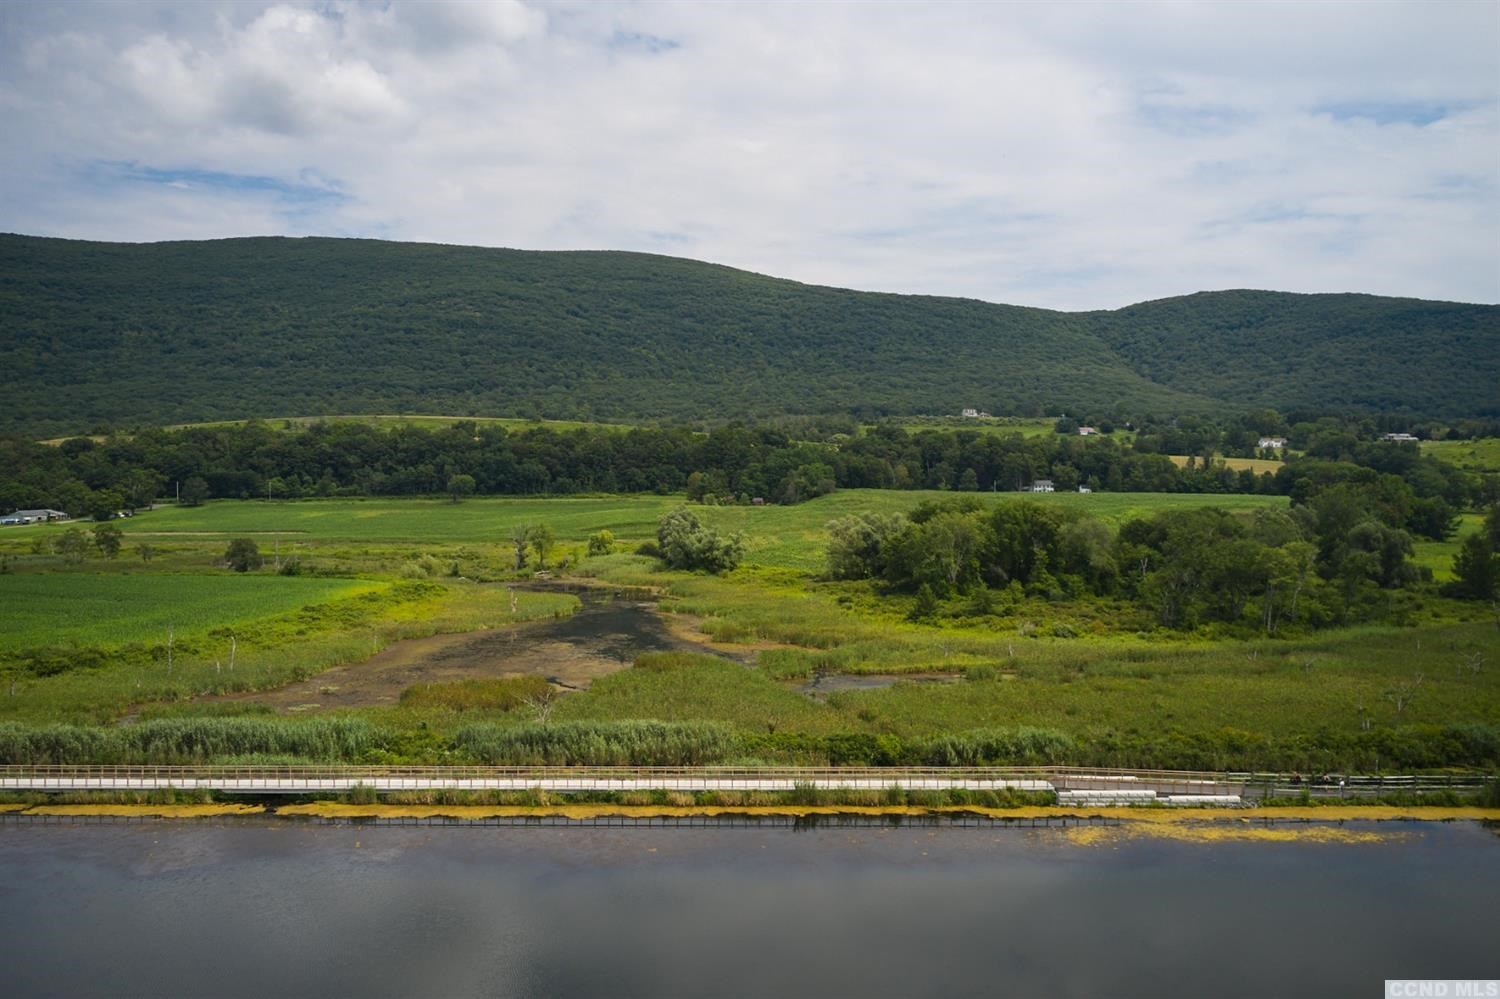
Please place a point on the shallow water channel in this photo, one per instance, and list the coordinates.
(284, 908)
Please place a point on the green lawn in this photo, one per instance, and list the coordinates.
(87, 609)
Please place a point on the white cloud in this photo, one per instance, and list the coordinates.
(1074, 156)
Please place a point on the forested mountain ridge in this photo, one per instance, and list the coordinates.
(123, 334)
(1354, 352)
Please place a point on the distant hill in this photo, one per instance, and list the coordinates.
(123, 334)
(1346, 352)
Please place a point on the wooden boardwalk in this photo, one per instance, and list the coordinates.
(1077, 786)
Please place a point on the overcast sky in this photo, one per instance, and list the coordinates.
(1064, 155)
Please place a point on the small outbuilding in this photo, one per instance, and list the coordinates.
(33, 516)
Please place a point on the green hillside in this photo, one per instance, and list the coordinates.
(123, 334)
(1346, 352)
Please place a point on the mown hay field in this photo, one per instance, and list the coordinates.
(1259, 466)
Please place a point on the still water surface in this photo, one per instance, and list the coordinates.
(280, 908)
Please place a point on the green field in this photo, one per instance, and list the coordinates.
(995, 426)
(1259, 466)
(394, 421)
(1438, 555)
(784, 536)
(400, 520)
(77, 609)
(1482, 455)
(1096, 670)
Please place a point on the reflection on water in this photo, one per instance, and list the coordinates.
(285, 908)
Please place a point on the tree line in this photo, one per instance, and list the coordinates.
(1341, 557)
(735, 463)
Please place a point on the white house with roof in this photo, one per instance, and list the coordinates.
(1275, 443)
(1043, 486)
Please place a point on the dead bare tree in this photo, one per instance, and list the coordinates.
(542, 704)
(1473, 662)
(1403, 693)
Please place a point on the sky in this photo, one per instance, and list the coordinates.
(1063, 155)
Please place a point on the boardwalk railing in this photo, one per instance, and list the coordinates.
(308, 779)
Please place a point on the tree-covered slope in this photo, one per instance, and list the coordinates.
(123, 334)
(1344, 352)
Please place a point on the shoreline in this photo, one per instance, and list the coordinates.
(1141, 817)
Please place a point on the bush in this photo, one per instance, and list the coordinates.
(363, 794)
(686, 544)
(242, 555)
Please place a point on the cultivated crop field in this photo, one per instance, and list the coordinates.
(99, 609)
(414, 521)
(781, 536)
(1259, 466)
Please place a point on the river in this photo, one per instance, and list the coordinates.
(286, 908)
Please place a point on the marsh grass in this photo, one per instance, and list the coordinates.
(100, 684)
(644, 743)
(476, 694)
(188, 740)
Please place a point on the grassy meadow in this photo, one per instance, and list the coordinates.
(1481, 455)
(1096, 674)
(995, 426)
(116, 609)
(393, 421)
